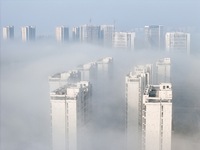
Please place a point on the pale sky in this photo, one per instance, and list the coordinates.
(128, 14)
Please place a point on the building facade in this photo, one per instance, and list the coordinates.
(8, 32)
(28, 33)
(177, 42)
(154, 37)
(86, 33)
(135, 84)
(70, 112)
(156, 123)
(123, 40)
(106, 32)
(62, 34)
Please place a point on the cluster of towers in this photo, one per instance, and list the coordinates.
(148, 99)
(149, 107)
(71, 102)
(154, 37)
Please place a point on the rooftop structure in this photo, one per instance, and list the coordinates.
(60, 79)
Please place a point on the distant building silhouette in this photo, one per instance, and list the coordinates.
(123, 40)
(177, 42)
(62, 34)
(86, 33)
(106, 32)
(154, 37)
(8, 32)
(28, 33)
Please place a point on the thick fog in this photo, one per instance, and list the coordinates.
(25, 102)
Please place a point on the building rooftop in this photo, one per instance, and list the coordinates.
(157, 93)
(105, 60)
(65, 75)
(164, 61)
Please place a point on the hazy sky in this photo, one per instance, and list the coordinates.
(128, 14)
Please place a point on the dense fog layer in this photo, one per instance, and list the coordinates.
(25, 103)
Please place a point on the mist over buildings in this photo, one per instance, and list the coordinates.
(25, 108)
(25, 103)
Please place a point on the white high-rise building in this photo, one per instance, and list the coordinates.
(62, 34)
(136, 83)
(8, 32)
(156, 123)
(28, 33)
(76, 34)
(106, 32)
(154, 37)
(177, 42)
(123, 40)
(163, 71)
(86, 33)
(70, 111)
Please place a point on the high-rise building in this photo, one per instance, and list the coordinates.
(86, 33)
(28, 33)
(123, 40)
(106, 32)
(8, 32)
(136, 83)
(177, 42)
(62, 34)
(70, 112)
(76, 34)
(156, 123)
(163, 71)
(154, 37)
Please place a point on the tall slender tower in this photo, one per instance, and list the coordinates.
(70, 111)
(28, 33)
(163, 71)
(62, 34)
(156, 120)
(8, 32)
(136, 83)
